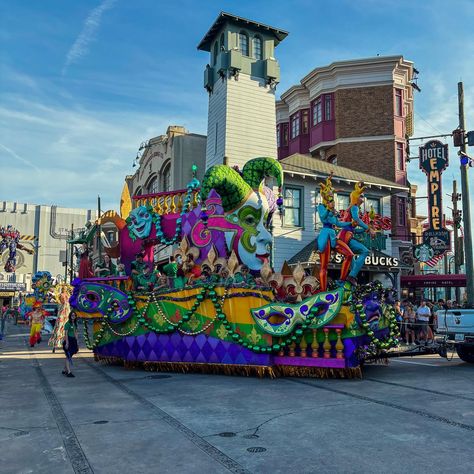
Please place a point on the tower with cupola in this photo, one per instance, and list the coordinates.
(240, 78)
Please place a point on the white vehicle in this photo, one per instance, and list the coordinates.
(457, 328)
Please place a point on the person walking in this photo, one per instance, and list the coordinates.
(3, 320)
(57, 337)
(36, 318)
(70, 343)
(410, 324)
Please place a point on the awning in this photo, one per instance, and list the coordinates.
(433, 281)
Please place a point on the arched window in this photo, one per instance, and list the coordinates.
(153, 186)
(221, 41)
(257, 47)
(216, 50)
(333, 159)
(166, 174)
(244, 43)
(138, 192)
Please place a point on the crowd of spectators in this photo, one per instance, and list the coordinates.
(418, 321)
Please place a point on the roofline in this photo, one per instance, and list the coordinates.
(279, 34)
(355, 62)
(321, 174)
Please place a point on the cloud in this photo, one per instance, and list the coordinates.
(80, 47)
(18, 157)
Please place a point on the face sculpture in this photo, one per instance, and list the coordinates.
(254, 240)
(139, 222)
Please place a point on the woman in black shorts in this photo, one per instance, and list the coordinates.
(70, 342)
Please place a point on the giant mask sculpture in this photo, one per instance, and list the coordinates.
(248, 206)
(139, 222)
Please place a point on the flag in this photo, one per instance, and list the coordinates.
(433, 261)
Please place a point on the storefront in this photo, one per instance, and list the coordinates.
(410, 284)
(10, 292)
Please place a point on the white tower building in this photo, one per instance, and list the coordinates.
(241, 79)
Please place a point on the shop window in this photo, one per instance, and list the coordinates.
(293, 206)
(372, 202)
(166, 173)
(153, 186)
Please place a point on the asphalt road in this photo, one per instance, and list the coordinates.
(414, 415)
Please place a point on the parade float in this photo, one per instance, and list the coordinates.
(266, 323)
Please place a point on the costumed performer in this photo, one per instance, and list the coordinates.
(57, 337)
(357, 226)
(138, 265)
(70, 342)
(327, 237)
(36, 318)
(85, 265)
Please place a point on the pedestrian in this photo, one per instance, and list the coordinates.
(422, 319)
(410, 324)
(3, 319)
(70, 343)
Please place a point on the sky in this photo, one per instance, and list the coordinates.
(84, 82)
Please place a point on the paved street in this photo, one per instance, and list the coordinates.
(414, 415)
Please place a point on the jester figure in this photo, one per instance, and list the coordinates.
(36, 318)
(248, 206)
(327, 237)
(356, 226)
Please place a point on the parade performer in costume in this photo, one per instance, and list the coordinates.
(357, 226)
(138, 265)
(70, 342)
(36, 318)
(327, 237)
(57, 338)
(85, 266)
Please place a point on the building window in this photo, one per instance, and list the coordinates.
(244, 44)
(400, 158)
(398, 102)
(332, 159)
(295, 125)
(216, 50)
(111, 236)
(327, 107)
(257, 47)
(305, 122)
(284, 135)
(278, 136)
(317, 111)
(167, 178)
(342, 201)
(401, 213)
(153, 186)
(372, 203)
(221, 41)
(138, 192)
(292, 203)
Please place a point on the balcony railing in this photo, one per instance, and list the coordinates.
(170, 202)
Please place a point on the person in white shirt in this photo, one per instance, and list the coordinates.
(423, 314)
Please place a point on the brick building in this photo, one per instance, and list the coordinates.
(356, 114)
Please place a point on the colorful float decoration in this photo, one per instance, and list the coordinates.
(267, 323)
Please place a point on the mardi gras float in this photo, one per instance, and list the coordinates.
(236, 315)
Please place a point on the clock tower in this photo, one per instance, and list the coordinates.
(241, 78)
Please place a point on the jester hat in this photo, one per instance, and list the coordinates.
(327, 191)
(359, 189)
(234, 188)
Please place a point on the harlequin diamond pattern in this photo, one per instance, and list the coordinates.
(181, 348)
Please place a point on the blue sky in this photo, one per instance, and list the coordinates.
(83, 82)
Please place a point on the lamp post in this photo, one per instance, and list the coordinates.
(466, 205)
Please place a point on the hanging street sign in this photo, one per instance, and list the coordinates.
(433, 161)
(423, 252)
